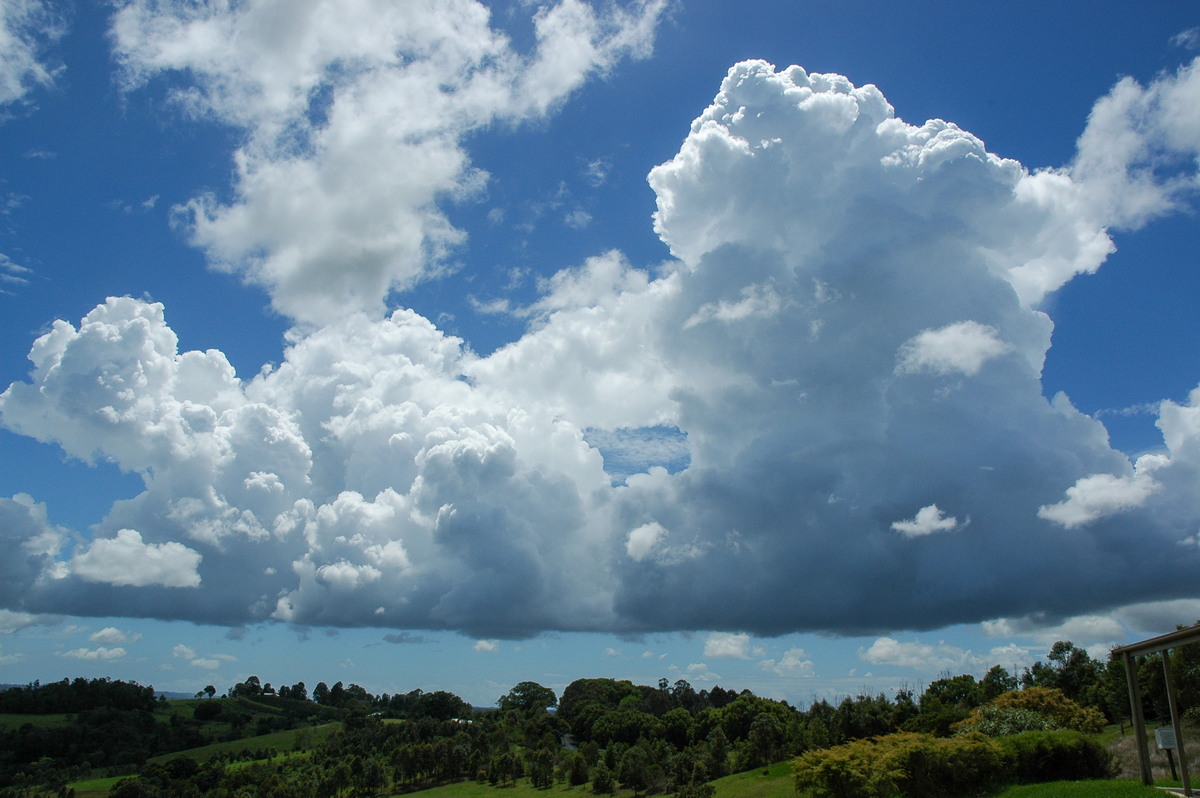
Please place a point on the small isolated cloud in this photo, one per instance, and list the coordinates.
(956, 348)
(927, 521)
(487, 645)
(613, 652)
(577, 219)
(1188, 39)
(645, 540)
(12, 274)
(725, 645)
(205, 663)
(100, 653)
(920, 656)
(110, 634)
(596, 171)
(695, 672)
(404, 638)
(1100, 495)
(794, 663)
(126, 560)
(181, 651)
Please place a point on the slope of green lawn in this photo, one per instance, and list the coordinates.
(775, 783)
(95, 788)
(13, 722)
(282, 742)
(1084, 789)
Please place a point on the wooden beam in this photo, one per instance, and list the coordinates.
(1139, 720)
(1180, 637)
(1173, 705)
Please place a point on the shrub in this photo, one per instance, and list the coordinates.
(1037, 756)
(997, 721)
(1021, 706)
(905, 764)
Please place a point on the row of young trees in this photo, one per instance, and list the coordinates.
(439, 704)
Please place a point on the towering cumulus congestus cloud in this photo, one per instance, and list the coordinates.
(850, 340)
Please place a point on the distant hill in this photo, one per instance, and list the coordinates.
(173, 696)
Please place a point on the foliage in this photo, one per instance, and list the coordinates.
(1030, 709)
(997, 721)
(1055, 755)
(904, 764)
(655, 739)
(528, 697)
(924, 766)
(76, 696)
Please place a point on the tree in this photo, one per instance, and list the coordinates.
(576, 767)
(996, 682)
(321, 693)
(249, 688)
(766, 737)
(337, 695)
(541, 769)
(632, 769)
(602, 779)
(1069, 669)
(210, 690)
(528, 697)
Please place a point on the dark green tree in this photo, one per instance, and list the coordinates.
(528, 697)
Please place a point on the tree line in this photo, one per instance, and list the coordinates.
(663, 738)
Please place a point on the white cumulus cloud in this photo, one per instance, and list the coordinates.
(852, 325)
(927, 521)
(794, 663)
(101, 653)
(961, 347)
(27, 28)
(727, 645)
(111, 634)
(126, 560)
(354, 114)
(921, 656)
(643, 541)
(1099, 495)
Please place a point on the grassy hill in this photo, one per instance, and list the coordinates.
(281, 742)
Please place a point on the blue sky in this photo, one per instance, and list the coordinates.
(448, 349)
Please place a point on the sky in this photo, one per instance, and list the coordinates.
(812, 348)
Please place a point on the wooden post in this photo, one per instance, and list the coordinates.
(1173, 704)
(1139, 722)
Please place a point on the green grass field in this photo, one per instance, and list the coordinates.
(95, 788)
(14, 722)
(1083, 789)
(777, 783)
(283, 742)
